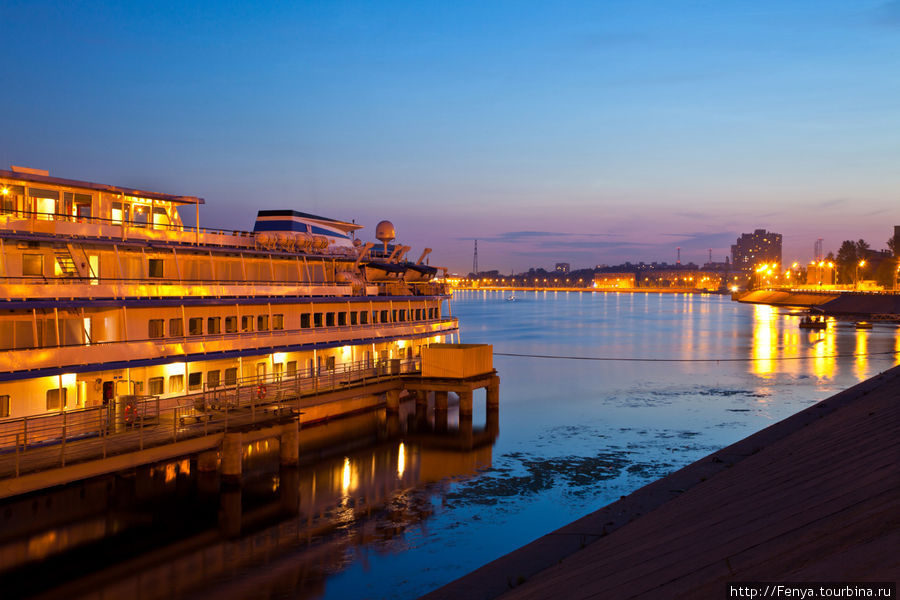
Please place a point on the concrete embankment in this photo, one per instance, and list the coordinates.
(815, 497)
(882, 306)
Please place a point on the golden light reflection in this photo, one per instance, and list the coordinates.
(184, 467)
(765, 340)
(401, 460)
(862, 360)
(824, 363)
(345, 476)
(170, 472)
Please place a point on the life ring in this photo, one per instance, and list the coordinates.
(261, 391)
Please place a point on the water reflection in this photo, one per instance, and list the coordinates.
(169, 531)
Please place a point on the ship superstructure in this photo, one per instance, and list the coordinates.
(104, 292)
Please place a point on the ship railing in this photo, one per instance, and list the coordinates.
(12, 215)
(287, 388)
(135, 422)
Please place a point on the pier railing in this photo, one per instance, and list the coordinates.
(131, 423)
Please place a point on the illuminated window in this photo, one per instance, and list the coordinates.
(4, 405)
(277, 322)
(292, 368)
(329, 363)
(176, 383)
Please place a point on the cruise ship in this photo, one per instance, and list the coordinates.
(107, 294)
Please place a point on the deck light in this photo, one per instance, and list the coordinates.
(5, 191)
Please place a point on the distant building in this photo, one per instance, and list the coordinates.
(562, 267)
(612, 281)
(755, 248)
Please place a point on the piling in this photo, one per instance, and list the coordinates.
(232, 457)
(290, 444)
(393, 400)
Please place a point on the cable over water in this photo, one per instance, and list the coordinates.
(690, 360)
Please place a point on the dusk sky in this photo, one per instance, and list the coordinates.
(583, 132)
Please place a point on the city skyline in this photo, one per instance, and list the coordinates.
(596, 134)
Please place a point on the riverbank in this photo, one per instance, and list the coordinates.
(811, 498)
(877, 306)
(630, 290)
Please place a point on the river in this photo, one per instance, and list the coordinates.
(600, 394)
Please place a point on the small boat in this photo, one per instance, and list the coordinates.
(809, 322)
(863, 325)
(511, 299)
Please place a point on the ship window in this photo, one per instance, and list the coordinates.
(155, 386)
(231, 376)
(195, 380)
(292, 368)
(317, 320)
(176, 383)
(364, 317)
(342, 319)
(4, 404)
(32, 264)
(383, 317)
(262, 323)
(329, 319)
(246, 323)
(230, 324)
(141, 215)
(403, 314)
(155, 267)
(195, 326)
(176, 328)
(156, 328)
(277, 321)
(53, 399)
(329, 363)
(394, 316)
(214, 325)
(354, 317)
(304, 321)
(212, 378)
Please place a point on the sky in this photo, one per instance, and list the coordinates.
(587, 132)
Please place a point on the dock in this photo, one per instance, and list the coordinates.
(815, 497)
(78, 445)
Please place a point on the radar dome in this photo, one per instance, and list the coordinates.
(384, 232)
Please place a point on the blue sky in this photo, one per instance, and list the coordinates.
(584, 132)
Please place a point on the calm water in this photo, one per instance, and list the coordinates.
(394, 507)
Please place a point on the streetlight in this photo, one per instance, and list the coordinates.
(861, 263)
